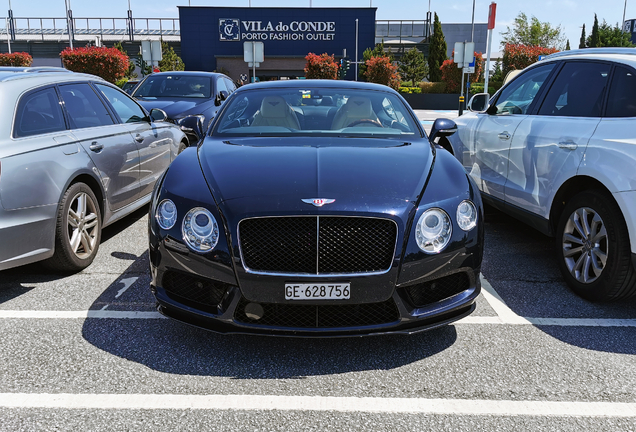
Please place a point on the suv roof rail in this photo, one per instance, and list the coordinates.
(585, 51)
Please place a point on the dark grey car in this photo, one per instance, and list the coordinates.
(77, 154)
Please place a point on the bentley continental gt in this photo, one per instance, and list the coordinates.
(316, 208)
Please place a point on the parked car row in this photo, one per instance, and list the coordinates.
(322, 207)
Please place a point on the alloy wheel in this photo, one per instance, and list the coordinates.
(83, 225)
(585, 245)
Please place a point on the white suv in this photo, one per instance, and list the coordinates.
(556, 148)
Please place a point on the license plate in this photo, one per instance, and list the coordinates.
(312, 291)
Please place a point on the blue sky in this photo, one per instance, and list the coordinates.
(569, 14)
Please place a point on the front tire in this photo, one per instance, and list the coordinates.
(593, 248)
(78, 230)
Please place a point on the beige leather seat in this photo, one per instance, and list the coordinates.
(276, 112)
(356, 108)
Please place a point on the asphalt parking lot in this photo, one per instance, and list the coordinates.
(89, 352)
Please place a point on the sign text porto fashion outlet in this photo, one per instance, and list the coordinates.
(231, 29)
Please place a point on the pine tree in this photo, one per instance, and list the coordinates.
(413, 67)
(582, 41)
(593, 40)
(170, 60)
(130, 73)
(567, 45)
(437, 52)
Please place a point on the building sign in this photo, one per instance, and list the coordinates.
(232, 29)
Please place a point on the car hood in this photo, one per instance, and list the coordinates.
(174, 107)
(278, 173)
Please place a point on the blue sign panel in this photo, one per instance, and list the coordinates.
(208, 32)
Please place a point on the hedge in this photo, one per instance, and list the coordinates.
(522, 56)
(321, 66)
(108, 63)
(16, 59)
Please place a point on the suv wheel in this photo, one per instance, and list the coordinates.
(593, 248)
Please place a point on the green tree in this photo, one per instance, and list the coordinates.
(582, 40)
(170, 61)
(368, 54)
(130, 73)
(437, 51)
(593, 40)
(412, 66)
(609, 36)
(567, 45)
(533, 33)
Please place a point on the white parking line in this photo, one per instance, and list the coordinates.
(505, 315)
(318, 403)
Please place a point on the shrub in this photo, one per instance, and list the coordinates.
(452, 75)
(108, 63)
(121, 82)
(380, 70)
(170, 61)
(16, 59)
(321, 66)
(433, 87)
(522, 56)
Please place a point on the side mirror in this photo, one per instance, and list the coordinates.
(192, 125)
(479, 102)
(442, 128)
(221, 97)
(158, 115)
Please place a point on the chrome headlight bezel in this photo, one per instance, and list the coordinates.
(433, 230)
(467, 215)
(167, 219)
(200, 238)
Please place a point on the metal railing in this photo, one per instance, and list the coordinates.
(44, 28)
(402, 28)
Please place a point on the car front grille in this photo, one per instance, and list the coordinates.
(204, 294)
(437, 289)
(317, 244)
(304, 316)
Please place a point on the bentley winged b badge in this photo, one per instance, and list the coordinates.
(318, 202)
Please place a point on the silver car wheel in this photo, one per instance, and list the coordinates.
(585, 245)
(83, 225)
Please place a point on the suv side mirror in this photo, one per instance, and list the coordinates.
(479, 102)
(158, 115)
(192, 125)
(441, 128)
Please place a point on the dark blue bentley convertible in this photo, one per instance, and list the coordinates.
(316, 208)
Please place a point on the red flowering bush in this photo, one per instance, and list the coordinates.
(452, 75)
(16, 59)
(522, 56)
(380, 70)
(321, 66)
(108, 63)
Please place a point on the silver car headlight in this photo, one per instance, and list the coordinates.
(166, 214)
(200, 230)
(466, 215)
(433, 230)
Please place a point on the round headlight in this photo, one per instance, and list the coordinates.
(433, 230)
(166, 214)
(200, 230)
(466, 215)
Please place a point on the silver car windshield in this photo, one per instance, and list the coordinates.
(316, 112)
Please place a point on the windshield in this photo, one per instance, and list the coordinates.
(170, 86)
(315, 112)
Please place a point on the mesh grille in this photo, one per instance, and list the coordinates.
(292, 245)
(321, 316)
(183, 287)
(438, 289)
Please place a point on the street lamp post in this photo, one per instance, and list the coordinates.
(69, 24)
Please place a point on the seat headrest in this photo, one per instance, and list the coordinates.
(74, 105)
(274, 106)
(358, 106)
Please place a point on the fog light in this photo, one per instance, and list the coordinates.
(254, 311)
